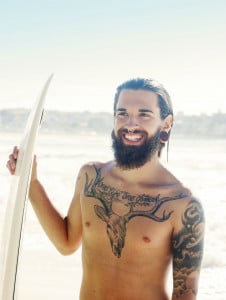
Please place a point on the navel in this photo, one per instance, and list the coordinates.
(146, 239)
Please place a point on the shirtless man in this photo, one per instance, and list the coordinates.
(132, 216)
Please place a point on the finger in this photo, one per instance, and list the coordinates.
(12, 161)
(9, 167)
(15, 152)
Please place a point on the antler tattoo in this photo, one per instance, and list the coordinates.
(116, 225)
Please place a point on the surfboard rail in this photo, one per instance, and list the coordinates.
(17, 201)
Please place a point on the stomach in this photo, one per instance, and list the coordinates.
(121, 290)
(130, 277)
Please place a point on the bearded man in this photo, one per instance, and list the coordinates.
(133, 217)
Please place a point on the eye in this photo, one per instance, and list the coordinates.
(144, 116)
(121, 114)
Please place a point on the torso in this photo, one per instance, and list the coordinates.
(127, 232)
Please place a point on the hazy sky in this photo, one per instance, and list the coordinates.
(93, 45)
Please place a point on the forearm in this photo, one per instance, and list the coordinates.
(52, 222)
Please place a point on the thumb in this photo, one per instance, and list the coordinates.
(34, 169)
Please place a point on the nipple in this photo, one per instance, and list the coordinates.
(146, 239)
(87, 224)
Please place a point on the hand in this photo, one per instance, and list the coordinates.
(11, 163)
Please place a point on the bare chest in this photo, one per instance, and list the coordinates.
(122, 219)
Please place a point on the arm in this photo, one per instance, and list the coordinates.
(65, 233)
(187, 247)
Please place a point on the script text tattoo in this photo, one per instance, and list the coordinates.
(141, 205)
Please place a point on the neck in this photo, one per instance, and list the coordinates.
(149, 170)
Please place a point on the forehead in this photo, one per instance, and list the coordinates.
(137, 99)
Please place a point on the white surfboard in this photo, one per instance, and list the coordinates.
(16, 206)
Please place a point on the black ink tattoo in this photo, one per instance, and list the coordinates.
(188, 249)
(141, 205)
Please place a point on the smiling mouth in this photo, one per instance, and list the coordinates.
(132, 138)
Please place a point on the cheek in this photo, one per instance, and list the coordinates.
(115, 129)
(117, 125)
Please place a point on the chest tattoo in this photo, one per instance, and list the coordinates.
(136, 205)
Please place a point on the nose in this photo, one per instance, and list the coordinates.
(131, 123)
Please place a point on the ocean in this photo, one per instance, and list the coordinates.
(44, 274)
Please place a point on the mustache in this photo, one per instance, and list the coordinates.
(136, 131)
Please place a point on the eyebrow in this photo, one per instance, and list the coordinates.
(140, 110)
(120, 109)
(145, 110)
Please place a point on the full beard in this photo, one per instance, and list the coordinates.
(131, 157)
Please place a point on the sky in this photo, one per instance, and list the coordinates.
(92, 46)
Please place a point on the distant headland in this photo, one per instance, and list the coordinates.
(200, 126)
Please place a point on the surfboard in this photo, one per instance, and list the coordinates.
(16, 206)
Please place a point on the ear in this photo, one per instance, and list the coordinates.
(167, 123)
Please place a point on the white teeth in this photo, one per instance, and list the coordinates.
(133, 137)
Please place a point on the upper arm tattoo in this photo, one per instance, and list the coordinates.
(188, 250)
